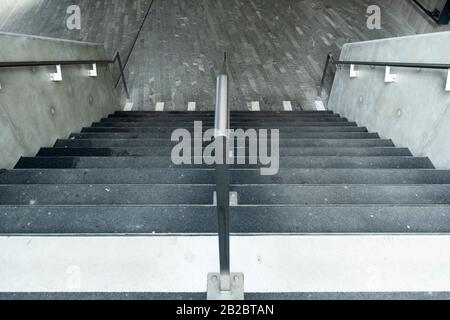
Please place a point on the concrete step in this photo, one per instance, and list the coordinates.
(166, 151)
(299, 143)
(268, 194)
(188, 125)
(212, 113)
(148, 219)
(238, 176)
(168, 131)
(235, 121)
(272, 265)
(283, 135)
(166, 162)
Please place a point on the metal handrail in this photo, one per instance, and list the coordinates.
(441, 17)
(222, 126)
(330, 60)
(18, 64)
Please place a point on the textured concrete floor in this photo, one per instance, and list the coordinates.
(276, 48)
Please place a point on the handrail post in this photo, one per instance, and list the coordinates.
(225, 285)
(223, 179)
(223, 214)
(122, 75)
(325, 69)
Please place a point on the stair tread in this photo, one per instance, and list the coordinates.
(167, 135)
(293, 142)
(198, 176)
(269, 194)
(148, 219)
(248, 125)
(161, 151)
(166, 129)
(285, 162)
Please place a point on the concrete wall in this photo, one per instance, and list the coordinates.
(415, 110)
(35, 111)
(418, 19)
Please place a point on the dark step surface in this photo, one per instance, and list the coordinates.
(283, 135)
(207, 176)
(299, 143)
(121, 219)
(166, 151)
(186, 125)
(211, 113)
(168, 131)
(233, 121)
(269, 194)
(166, 162)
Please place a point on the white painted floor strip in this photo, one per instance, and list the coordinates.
(255, 106)
(128, 106)
(287, 105)
(319, 105)
(332, 263)
(191, 106)
(159, 106)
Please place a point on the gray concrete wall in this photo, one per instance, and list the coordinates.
(415, 110)
(34, 111)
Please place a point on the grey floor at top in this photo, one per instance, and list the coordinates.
(276, 48)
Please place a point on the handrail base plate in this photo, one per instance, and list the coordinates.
(237, 288)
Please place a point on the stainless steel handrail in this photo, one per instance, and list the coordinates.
(18, 64)
(222, 126)
(331, 61)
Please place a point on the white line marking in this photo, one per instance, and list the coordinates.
(287, 105)
(255, 106)
(319, 105)
(191, 106)
(128, 106)
(159, 106)
(305, 263)
(447, 87)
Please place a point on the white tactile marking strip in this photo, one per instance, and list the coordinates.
(255, 106)
(329, 263)
(128, 106)
(319, 105)
(191, 106)
(287, 105)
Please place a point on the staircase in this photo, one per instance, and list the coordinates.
(116, 178)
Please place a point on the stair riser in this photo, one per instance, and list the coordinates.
(304, 143)
(282, 135)
(235, 121)
(165, 162)
(168, 131)
(188, 125)
(163, 151)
